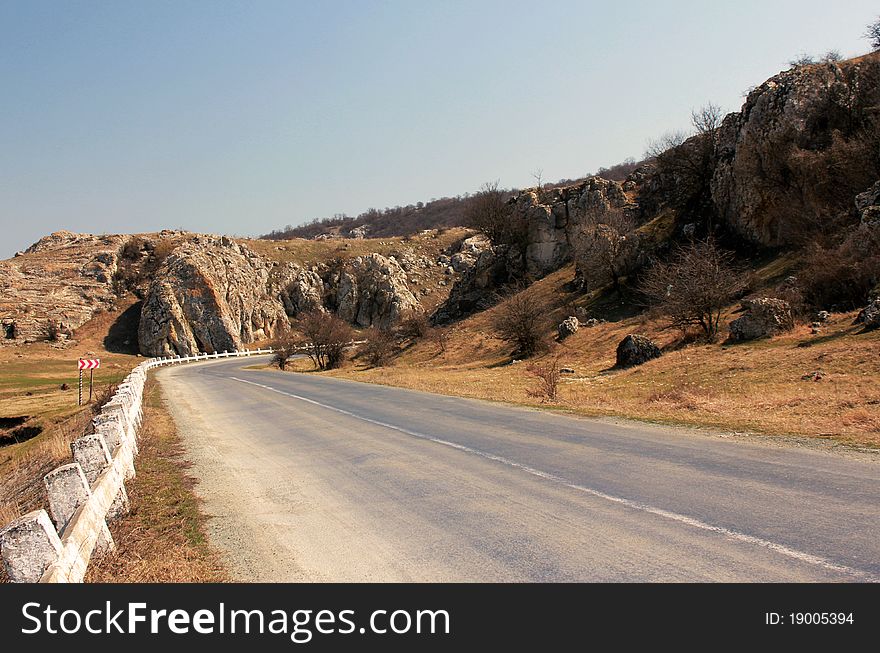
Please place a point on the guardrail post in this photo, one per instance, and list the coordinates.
(29, 545)
(91, 452)
(68, 489)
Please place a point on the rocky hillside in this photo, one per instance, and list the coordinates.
(212, 293)
(57, 285)
(796, 168)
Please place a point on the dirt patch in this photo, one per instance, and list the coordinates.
(19, 435)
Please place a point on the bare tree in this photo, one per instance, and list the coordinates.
(380, 347)
(538, 176)
(490, 212)
(873, 34)
(284, 348)
(685, 162)
(600, 247)
(802, 60)
(707, 118)
(440, 336)
(548, 376)
(668, 141)
(832, 56)
(326, 338)
(520, 321)
(694, 286)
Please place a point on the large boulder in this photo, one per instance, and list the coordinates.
(371, 291)
(568, 327)
(870, 316)
(762, 318)
(209, 295)
(636, 350)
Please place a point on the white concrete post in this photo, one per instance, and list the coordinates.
(93, 457)
(68, 489)
(28, 546)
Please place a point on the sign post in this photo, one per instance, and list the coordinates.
(90, 364)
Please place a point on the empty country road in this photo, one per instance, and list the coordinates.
(308, 478)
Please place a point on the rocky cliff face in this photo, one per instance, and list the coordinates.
(554, 220)
(371, 291)
(209, 295)
(557, 217)
(300, 289)
(64, 279)
(793, 152)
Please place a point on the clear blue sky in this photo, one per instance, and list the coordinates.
(234, 117)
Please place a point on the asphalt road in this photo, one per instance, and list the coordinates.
(309, 478)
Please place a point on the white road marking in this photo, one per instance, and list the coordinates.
(800, 556)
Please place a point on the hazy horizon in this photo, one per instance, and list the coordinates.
(239, 119)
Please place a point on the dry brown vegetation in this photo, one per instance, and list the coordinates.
(32, 381)
(165, 513)
(751, 387)
(162, 539)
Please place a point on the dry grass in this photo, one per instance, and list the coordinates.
(162, 539)
(756, 387)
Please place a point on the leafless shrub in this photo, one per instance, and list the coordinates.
(873, 34)
(620, 171)
(53, 331)
(600, 247)
(802, 60)
(440, 336)
(284, 348)
(842, 277)
(817, 185)
(414, 326)
(520, 321)
(548, 376)
(832, 56)
(694, 286)
(380, 347)
(326, 338)
(489, 211)
(685, 162)
(133, 249)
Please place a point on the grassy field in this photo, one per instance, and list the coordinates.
(765, 387)
(31, 396)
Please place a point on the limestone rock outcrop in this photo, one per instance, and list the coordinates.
(209, 295)
(868, 206)
(477, 287)
(567, 327)
(799, 109)
(762, 318)
(63, 279)
(300, 289)
(371, 291)
(556, 217)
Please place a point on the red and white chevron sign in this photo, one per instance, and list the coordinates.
(89, 363)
